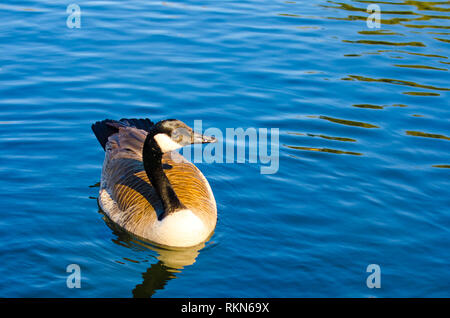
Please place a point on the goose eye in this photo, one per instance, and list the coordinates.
(180, 134)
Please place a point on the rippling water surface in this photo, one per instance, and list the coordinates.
(364, 145)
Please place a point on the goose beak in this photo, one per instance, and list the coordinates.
(202, 139)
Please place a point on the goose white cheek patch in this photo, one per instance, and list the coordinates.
(166, 143)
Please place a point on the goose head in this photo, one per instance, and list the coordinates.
(171, 134)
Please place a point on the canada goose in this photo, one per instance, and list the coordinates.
(151, 190)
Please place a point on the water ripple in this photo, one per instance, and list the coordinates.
(363, 160)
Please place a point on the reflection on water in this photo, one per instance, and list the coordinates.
(348, 122)
(422, 134)
(425, 67)
(417, 27)
(442, 166)
(393, 81)
(170, 261)
(156, 277)
(386, 43)
(421, 94)
(335, 151)
(324, 137)
(413, 53)
(418, 16)
(369, 106)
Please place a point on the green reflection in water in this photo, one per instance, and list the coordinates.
(400, 51)
(289, 15)
(414, 53)
(418, 44)
(333, 138)
(392, 81)
(421, 94)
(348, 7)
(426, 135)
(426, 67)
(328, 150)
(442, 40)
(379, 32)
(324, 137)
(442, 166)
(421, 14)
(392, 21)
(420, 5)
(348, 122)
(423, 26)
(370, 106)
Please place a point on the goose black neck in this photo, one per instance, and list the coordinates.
(152, 159)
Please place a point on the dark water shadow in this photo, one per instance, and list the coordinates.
(171, 261)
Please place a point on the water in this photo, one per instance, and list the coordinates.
(364, 145)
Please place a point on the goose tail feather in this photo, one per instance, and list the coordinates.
(105, 128)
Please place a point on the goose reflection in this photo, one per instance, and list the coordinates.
(170, 261)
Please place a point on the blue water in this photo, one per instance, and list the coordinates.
(364, 153)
